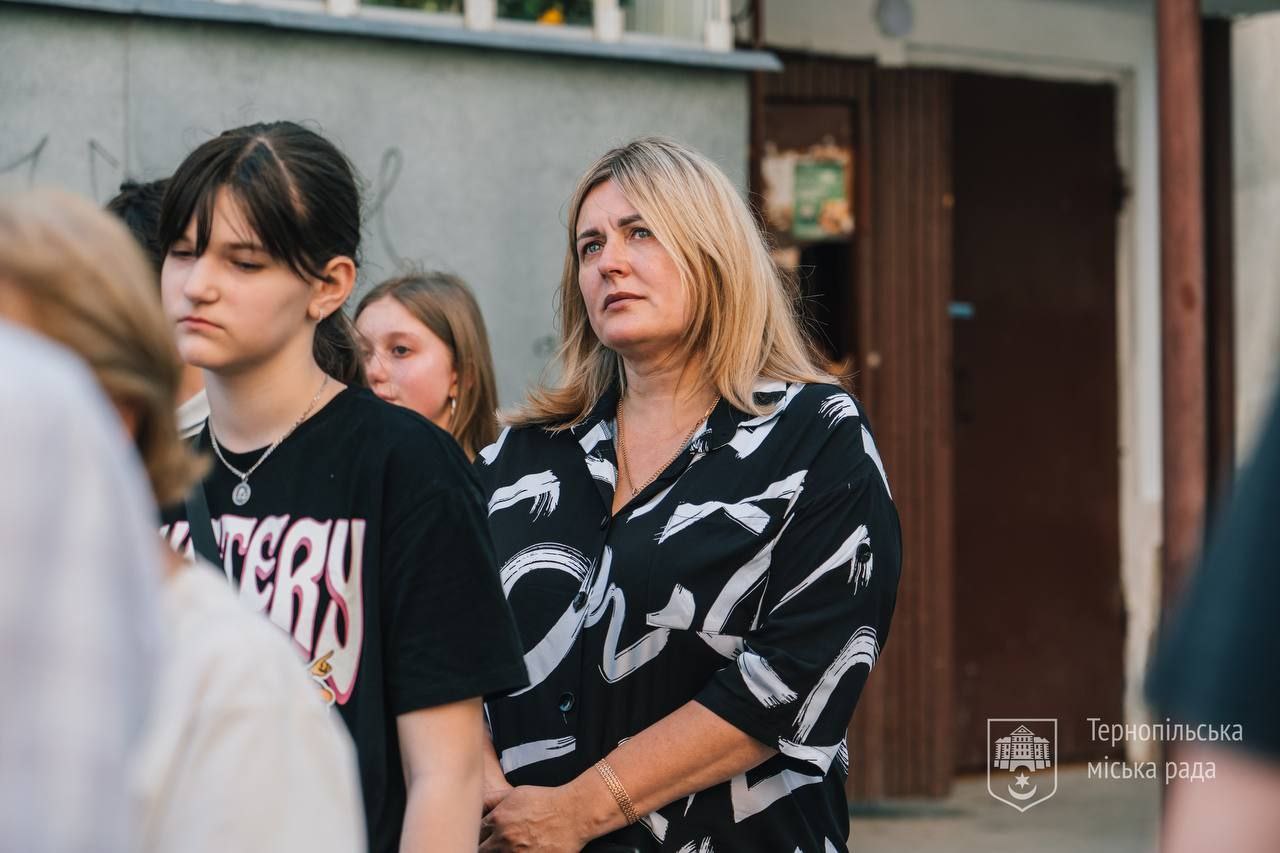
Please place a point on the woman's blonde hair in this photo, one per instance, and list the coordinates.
(91, 289)
(445, 305)
(744, 316)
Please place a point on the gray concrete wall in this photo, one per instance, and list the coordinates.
(1256, 119)
(469, 155)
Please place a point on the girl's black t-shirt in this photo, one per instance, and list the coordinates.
(365, 539)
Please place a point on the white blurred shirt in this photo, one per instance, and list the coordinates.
(79, 576)
(241, 753)
(192, 414)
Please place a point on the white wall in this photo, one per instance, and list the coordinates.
(1256, 128)
(1108, 40)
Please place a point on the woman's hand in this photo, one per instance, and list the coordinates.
(533, 818)
(689, 750)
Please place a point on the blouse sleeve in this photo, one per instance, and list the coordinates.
(833, 581)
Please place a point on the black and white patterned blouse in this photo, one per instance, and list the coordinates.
(757, 576)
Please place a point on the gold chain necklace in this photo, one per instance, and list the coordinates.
(626, 462)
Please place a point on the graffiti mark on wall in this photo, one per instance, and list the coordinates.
(98, 152)
(106, 171)
(22, 169)
(27, 163)
(545, 346)
(388, 174)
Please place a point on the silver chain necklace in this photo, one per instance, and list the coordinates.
(240, 494)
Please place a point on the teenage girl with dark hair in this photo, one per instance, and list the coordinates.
(354, 525)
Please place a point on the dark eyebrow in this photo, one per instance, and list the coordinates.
(622, 223)
(250, 247)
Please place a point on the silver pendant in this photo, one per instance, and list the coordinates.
(240, 494)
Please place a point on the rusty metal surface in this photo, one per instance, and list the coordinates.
(1219, 257)
(1182, 274)
(905, 736)
(1040, 619)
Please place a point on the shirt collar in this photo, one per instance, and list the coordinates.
(722, 425)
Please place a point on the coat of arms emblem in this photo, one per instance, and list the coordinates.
(1022, 761)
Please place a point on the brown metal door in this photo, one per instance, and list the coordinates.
(884, 305)
(1039, 616)
(900, 743)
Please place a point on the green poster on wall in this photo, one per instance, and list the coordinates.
(821, 207)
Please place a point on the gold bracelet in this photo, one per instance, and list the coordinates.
(612, 782)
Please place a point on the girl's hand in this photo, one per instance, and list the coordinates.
(533, 818)
(496, 786)
(495, 791)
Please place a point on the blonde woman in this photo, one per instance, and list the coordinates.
(239, 752)
(697, 539)
(425, 348)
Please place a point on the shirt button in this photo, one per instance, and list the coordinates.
(580, 600)
(864, 553)
(604, 522)
(567, 701)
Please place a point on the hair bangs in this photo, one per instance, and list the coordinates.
(190, 196)
(271, 207)
(265, 198)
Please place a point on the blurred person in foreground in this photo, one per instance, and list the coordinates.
(1217, 666)
(79, 621)
(138, 206)
(239, 752)
(697, 539)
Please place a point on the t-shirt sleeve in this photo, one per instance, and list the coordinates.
(448, 631)
(832, 585)
(1216, 664)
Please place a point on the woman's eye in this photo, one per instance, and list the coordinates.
(180, 253)
(400, 351)
(247, 266)
(591, 248)
(642, 233)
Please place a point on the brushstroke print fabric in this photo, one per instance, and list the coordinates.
(756, 575)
